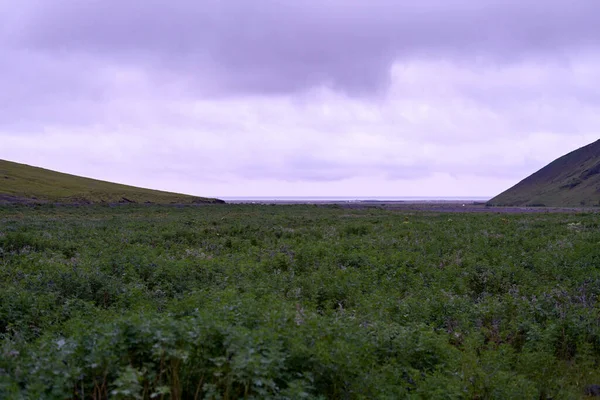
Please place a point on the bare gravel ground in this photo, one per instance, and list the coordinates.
(426, 206)
(454, 207)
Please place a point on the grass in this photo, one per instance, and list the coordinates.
(19, 182)
(288, 302)
(572, 180)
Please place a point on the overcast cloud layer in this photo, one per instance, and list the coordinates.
(312, 97)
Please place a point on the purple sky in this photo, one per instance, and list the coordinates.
(308, 97)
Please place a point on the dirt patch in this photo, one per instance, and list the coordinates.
(464, 208)
(8, 199)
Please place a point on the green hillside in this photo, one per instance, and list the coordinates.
(572, 180)
(24, 183)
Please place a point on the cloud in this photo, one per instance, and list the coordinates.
(413, 134)
(235, 46)
(232, 97)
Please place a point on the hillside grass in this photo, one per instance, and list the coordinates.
(296, 302)
(572, 180)
(20, 182)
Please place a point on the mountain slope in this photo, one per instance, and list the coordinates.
(572, 180)
(24, 183)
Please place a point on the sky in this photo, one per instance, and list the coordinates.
(299, 98)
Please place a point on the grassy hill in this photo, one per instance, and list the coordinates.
(572, 180)
(24, 183)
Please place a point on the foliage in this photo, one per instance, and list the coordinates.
(288, 302)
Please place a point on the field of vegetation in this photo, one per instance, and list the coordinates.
(292, 302)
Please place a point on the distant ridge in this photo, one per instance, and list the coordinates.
(20, 183)
(572, 180)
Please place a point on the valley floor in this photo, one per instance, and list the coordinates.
(298, 301)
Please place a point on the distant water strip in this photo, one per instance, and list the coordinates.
(351, 199)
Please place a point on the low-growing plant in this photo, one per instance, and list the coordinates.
(288, 302)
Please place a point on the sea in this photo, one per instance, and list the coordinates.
(353, 199)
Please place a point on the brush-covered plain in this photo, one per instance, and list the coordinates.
(288, 302)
